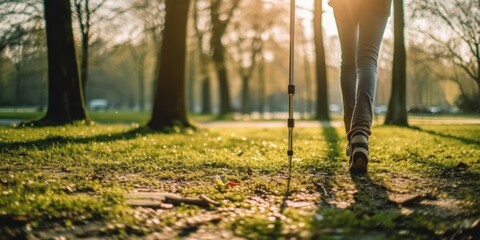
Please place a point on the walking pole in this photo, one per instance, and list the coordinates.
(291, 88)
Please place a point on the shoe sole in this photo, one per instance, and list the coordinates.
(359, 160)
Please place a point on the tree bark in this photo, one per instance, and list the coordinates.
(397, 107)
(321, 112)
(65, 100)
(170, 101)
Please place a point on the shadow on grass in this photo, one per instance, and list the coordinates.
(370, 200)
(449, 168)
(327, 167)
(444, 135)
(278, 224)
(43, 144)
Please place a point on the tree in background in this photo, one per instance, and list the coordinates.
(170, 103)
(220, 17)
(308, 90)
(203, 60)
(92, 16)
(27, 57)
(17, 20)
(456, 40)
(22, 53)
(321, 112)
(84, 12)
(151, 14)
(245, 45)
(65, 99)
(139, 53)
(397, 107)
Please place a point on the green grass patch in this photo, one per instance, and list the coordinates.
(80, 173)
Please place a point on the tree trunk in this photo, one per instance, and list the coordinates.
(65, 99)
(191, 83)
(84, 65)
(397, 107)
(261, 88)
(219, 60)
(18, 85)
(170, 103)
(141, 90)
(85, 40)
(245, 95)
(202, 63)
(321, 68)
(308, 80)
(478, 73)
(206, 104)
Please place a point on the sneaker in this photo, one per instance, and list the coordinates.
(359, 152)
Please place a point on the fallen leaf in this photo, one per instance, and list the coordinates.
(232, 184)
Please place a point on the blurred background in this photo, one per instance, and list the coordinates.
(117, 44)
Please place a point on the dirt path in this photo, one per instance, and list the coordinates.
(379, 199)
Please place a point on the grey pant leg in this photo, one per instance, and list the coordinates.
(347, 25)
(360, 29)
(371, 29)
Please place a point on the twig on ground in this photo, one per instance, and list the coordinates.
(162, 200)
(412, 200)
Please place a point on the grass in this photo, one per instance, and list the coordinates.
(72, 181)
(122, 117)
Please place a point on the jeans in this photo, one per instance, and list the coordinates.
(360, 24)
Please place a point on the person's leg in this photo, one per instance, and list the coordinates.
(346, 18)
(372, 23)
(371, 28)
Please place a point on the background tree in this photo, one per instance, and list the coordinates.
(245, 45)
(84, 11)
(65, 99)
(321, 67)
(25, 56)
(397, 107)
(454, 38)
(220, 16)
(139, 57)
(18, 19)
(22, 53)
(202, 57)
(170, 103)
(308, 90)
(149, 31)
